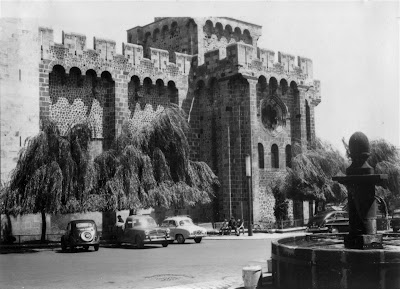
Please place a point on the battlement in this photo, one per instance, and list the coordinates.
(104, 50)
(248, 57)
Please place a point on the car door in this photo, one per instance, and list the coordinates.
(172, 228)
(68, 233)
(128, 232)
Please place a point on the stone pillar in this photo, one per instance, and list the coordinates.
(121, 101)
(253, 146)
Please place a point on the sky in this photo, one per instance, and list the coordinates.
(354, 46)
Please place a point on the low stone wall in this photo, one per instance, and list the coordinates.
(29, 227)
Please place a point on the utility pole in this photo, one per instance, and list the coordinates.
(248, 175)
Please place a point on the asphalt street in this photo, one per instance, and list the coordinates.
(129, 267)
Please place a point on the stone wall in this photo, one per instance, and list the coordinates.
(19, 89)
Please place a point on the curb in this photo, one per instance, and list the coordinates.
(228, 283)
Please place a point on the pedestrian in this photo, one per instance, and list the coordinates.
(120, 222)
(240, 227)
(224, 227)
(232, 225)
(119, 226)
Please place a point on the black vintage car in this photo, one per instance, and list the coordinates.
(142, 229)
(329, 222)
(80, 233)
(395, 222)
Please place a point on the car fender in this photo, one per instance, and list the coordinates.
(182, 231)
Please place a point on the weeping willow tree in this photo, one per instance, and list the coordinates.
(53, 173)
(385, 159)
(150, 167)
(310, 177)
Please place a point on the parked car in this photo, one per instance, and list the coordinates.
(142, 229)
(182, 228)
(329, 222)
(395, 222)
(80, 233)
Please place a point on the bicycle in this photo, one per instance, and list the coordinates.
(263, 226)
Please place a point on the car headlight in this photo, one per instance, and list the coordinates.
(167, 231)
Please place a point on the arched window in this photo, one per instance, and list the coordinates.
(288, 151)
(274, 157)
(308, 122)
(273, 85)
(260, 156)
(284, 86)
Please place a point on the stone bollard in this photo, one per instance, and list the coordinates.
(251, 276)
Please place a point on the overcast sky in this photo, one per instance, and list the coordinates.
(354, 46)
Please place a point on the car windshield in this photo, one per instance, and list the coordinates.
(84, 225)
(318, 218)
(144, 222)
(184, 222)
(165, 224)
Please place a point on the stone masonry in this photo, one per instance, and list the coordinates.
(238, 98)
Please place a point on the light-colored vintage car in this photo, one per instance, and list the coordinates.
(182, 228)
(142, 229)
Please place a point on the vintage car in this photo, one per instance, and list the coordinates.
(142, 229)
(80, 233)
(329, 222)
(395, 222)
(182, 228)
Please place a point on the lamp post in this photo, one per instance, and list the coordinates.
(248, 176)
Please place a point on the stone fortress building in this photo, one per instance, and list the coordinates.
(238, 98)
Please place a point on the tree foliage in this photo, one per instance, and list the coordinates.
(310, 177)
(52, 170)
(150, 166)
(385, 159)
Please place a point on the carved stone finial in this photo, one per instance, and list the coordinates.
(359, 153)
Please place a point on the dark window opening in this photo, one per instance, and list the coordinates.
(288, 152)
(260, 156)
(274, 156)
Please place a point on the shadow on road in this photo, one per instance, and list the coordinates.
(127, 246)
(77, 250)
(17, 251)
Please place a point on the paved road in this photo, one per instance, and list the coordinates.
(128, 267)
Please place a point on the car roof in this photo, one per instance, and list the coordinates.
(139, 217)
(177, 218)
(82, 221)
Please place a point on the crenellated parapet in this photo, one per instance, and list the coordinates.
(73, 52)
(241, 58)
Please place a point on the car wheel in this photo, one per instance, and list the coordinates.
(139, 242)
(96, 247)
(197, 240)
(180, 239)
(165, 244)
